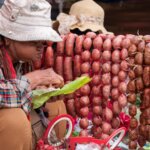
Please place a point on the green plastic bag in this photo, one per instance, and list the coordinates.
(147, 146)
(41, 96)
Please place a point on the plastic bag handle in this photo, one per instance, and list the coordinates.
(111, 144)
(64, 117)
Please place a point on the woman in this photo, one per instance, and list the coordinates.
(24, 26)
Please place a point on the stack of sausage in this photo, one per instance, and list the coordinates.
(135, 73)
(145, 98)
(120, 71)
(67, 66)
(139, 86)
(119, 77)
(97, 56)
(107, 114)
(84, 93)
(96, 96)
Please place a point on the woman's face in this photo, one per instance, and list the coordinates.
(25, 51)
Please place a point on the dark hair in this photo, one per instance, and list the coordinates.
(1, 40)
(3, 61)
(77, 31)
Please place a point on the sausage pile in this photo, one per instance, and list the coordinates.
(139, 87)
(120, 70)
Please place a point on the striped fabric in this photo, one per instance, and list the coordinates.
(15, 93)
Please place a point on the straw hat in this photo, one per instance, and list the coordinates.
(83, 15)
(27, 20)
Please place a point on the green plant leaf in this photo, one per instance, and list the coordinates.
(41, 96)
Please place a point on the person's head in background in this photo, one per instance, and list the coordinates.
(84, 16)
(24, 26)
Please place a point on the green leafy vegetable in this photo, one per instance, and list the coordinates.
(41, 96)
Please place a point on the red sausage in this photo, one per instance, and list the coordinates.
(49, 57)
(77, 66)
(70, 44)
(59, 65)
(68, 75)
(98, 42)
(78, 44)
(60, 46)
(87, 43)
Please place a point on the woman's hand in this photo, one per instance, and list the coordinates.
(45, 78)
(56, 80)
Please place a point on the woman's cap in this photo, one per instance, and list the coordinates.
(27, 20)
